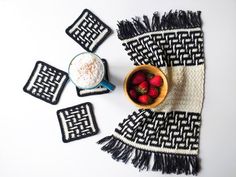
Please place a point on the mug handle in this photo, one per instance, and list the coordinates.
(107, 85)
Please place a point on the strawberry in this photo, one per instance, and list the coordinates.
(145, 99)
(138, 77)
(132, 94)
(156, 81)
(143, 87)
(153, 92)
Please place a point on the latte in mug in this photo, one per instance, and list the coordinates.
(86, 71)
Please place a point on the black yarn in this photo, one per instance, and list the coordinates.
(105, 139)
(171, 20)
(165, 162)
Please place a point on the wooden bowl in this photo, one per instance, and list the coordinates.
(163, 91)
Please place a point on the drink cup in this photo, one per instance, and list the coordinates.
(86, 71)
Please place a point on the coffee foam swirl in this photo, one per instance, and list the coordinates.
(86, 70)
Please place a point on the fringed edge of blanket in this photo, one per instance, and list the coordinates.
(171, 20)
(165, 162)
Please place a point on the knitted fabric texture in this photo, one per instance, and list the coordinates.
(166, 138)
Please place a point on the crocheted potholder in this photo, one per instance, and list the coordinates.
(170, 132)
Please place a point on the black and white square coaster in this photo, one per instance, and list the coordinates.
(77, 122)
(46, 82)
(88, 31)
(95, 91)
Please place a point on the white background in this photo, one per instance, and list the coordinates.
(30, 137)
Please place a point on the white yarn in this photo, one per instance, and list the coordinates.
(186, 85)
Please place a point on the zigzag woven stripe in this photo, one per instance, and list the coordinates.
(172, 48)
(172, 132)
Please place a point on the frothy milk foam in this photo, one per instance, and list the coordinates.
(86, 70)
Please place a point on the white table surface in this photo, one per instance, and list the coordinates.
(30, 137)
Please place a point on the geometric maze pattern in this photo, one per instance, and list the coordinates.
(173, 130)
(77, 122)
(46, 82)
(172, 48)
(88, 31)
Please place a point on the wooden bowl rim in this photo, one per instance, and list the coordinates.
(146, 67)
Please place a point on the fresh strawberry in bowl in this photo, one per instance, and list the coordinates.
(153, 92)
(145, 99)
(146, 86)
(133, 94)
(156, 81)
(143, 87)
(138, 77)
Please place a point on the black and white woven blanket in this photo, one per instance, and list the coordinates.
(165, 138)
